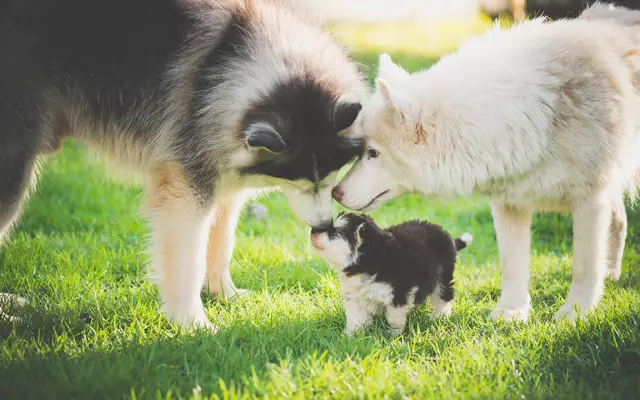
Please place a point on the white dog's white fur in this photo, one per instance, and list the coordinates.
(541, 117)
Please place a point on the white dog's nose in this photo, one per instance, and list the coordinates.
(315, 241)
(337, 193)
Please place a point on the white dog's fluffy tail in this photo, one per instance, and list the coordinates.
(619, 14)
(463, 241)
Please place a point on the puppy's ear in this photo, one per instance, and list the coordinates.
(344, 114)
(262, 137)
(360, 233)
(389, 71)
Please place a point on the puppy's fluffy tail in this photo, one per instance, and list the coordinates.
(463, 241)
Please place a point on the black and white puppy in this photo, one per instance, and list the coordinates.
(390, 269)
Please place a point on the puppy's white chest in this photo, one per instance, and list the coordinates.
(369, 293)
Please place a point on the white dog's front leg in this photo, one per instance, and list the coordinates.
(357, 316)
(590, 229)
(513, 230)
(180, 229)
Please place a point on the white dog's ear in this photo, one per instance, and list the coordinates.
(261, 136)
(389, 71)
(402, 105)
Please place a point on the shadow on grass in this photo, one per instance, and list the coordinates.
(183, 362)
(245, 353)
(598, 345)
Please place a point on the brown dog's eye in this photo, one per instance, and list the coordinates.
(372, 153)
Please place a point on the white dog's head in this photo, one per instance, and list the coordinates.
(392, 125)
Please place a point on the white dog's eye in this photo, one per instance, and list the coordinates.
(372, 153)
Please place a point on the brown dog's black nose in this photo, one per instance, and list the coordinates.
(321, 228)
(337, 193)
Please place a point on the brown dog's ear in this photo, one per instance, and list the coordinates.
(345, 114)
(263, 137)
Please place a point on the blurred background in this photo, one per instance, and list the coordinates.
(398, 10)
(418, 32)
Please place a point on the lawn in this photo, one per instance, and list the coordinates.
(95, 329)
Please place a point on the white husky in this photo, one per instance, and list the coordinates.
(541, 117)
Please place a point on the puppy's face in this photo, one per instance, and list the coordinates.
(339, 244)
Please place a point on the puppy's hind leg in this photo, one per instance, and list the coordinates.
(180, 228)
(591, 221)
(220, 248)
(617, 237)
(17, 172)
(441, 299)
(513, 230)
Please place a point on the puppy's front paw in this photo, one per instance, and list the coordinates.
(397, 331)
(442, 310)
(511, 314)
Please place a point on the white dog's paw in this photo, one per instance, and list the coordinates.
(573, 310)
(11, 302)
(350, 331)
(511, 314)
(614, 273)
(567, 312)
(580, 301)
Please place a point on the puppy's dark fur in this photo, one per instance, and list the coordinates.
(408, 255)
(390, 269)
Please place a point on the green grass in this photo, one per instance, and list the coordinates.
(79, 248)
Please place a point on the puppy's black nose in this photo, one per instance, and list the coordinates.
(322, 228)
